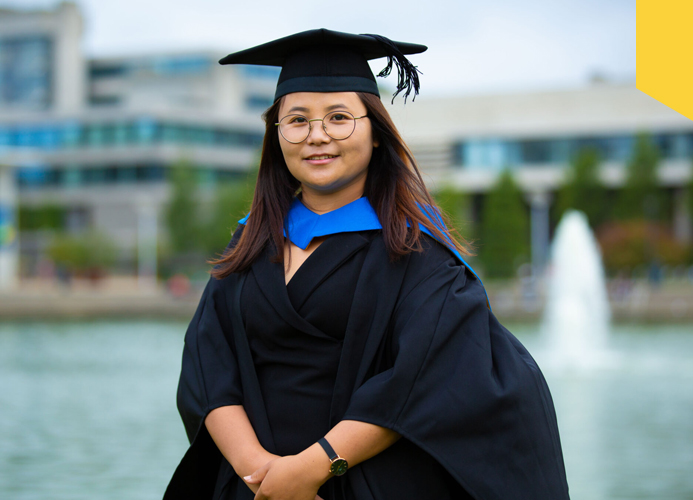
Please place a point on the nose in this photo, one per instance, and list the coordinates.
(317, 134)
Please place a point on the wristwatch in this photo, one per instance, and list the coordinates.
(338, 465)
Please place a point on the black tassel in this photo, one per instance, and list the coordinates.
(407, 73)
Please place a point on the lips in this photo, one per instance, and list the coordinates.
(321, 157)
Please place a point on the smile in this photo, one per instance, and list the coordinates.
(321, 157)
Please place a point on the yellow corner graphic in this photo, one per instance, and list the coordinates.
(664, 46)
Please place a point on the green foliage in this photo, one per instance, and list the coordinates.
(583, 190)
(504, 229)
(456, 204)
(182, 214)
(231, 203)
(641, 196)
(629, 244)
(43, 217)
(82, 252)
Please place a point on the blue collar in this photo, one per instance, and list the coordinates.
(304, 224)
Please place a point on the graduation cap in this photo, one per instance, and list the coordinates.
(331, 61)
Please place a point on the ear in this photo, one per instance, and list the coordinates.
(376, 143)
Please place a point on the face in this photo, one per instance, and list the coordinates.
(323, 165)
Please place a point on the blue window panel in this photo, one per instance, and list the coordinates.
(31, 177)
(150, 173)
(126, 175)
(146, 130)
(619, 148)
(188, 65)
(95, 135)
(72, 177)
(93, 176)
(535, 151)
(50, 137)
(72, 134)
(680, 146)
(492, 154)
(473, 154)
(24, 137)
(270, 73)
(121, 134)
(171, 133)
(5, 137)
(259, 101)
(26, 69)
(458, 154)
(110, 175)
(107, 71)
(560, 151)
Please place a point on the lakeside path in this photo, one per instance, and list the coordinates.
(122, 298)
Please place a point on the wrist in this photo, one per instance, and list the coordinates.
(251, 461)
(317, 464)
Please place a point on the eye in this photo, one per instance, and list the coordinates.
(339, 117)
(296, 119)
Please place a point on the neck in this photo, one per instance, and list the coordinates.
(321, 203)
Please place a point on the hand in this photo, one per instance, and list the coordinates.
(286, 478)
(254, 463)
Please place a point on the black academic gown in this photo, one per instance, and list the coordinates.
(421, 354)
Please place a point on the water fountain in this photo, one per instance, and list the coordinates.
(577, 315)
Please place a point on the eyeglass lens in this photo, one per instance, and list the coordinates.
(338, 125)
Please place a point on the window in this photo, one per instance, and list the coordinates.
(145, 130)
(26, 72)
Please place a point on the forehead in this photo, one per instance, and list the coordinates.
(317, 102)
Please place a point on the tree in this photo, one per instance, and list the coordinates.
(689, 196)
(583, 190)
(641, 197)
(231, 202)
(83, 252)
(456, 204)
(182, 214)
(504, 229)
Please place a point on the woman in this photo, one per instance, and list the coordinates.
(342, 348)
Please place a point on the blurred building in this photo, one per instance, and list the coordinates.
(98, 136)
(467, 141)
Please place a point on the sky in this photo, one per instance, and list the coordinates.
(474, 47)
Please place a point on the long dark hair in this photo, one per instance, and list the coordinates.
(394, 188)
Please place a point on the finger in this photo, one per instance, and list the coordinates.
(257, 476)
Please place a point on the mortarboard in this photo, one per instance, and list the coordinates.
(322, 60)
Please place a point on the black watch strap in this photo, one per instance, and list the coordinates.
(328, 448)
(338, 465)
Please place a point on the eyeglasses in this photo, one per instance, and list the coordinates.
(339, 125)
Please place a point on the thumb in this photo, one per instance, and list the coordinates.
(257, 476)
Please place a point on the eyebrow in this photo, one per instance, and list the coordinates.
(328, 109)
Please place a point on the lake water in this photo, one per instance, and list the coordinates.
(87, 411)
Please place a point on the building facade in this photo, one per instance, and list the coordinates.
(467, 141)
(98, 136)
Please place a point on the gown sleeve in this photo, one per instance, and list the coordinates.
(209, 379)
(457, 384)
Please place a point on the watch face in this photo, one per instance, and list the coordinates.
(339, 467)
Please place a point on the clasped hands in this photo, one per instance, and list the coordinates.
(294, 477)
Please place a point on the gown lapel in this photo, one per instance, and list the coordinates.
(323, 261)
(375, 297)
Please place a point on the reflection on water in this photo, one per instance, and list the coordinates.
(625, 420)
(87, 411)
